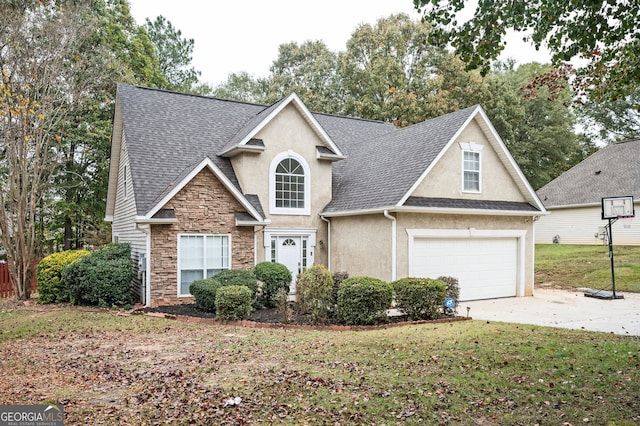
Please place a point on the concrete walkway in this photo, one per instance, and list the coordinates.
(562, 308)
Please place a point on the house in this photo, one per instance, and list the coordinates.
(574, 199)
(199, 184)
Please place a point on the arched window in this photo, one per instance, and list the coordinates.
(289, 185)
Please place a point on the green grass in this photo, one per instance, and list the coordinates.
(110, 369)
(578, 266)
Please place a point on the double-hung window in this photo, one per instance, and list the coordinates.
(201, 256)
(471, 167)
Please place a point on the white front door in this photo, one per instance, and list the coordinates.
(290, 255)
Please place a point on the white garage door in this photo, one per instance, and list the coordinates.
(486, 268)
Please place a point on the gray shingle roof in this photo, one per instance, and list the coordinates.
(168, 134)
(612, 171)
(456, 203)
(378, 172)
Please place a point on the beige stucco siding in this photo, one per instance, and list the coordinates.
(445, 178)
(361, 245)
(123, 228)
(203, 206)
(287, 132)
(583, 225)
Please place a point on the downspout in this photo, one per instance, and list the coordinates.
(147, 275)
(394, 244)
(328, 241)
(255, 243)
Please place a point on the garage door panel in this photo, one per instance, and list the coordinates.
(485, 267)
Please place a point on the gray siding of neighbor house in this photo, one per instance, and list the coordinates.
(123, 228)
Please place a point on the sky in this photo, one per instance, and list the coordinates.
(234, 36)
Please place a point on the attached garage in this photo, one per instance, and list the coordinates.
(488, 263)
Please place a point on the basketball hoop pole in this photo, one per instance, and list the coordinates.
(613, 274)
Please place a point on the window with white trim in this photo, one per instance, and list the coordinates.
(201, 256)
(471, 171)
(289, 185)
(471, 166)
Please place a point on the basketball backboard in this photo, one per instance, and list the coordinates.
(617, 207)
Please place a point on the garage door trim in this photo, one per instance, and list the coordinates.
(473, 233)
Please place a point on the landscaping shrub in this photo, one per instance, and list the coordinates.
(314, 292)
(102, 278)
(338, 277)
(51, 288)
(284, 306)
(420, 298)
(244, 277)
(364, 300)
(233, 302)
(453, 291)
(204, 293)
(274, 276)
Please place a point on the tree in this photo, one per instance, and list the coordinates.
(309, 70)
(539, 132)
(612, 121)
(603, 34)
(244, 88)
(43, 78)
(389, 73)
(174, 54)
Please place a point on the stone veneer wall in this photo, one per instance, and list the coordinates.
(203, 206)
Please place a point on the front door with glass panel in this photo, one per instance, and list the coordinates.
(292, 252)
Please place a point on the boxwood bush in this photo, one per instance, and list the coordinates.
(243, 277)
(204, 292)
(274, 276)
(453, 291)
(233, 302)
(314, 293)
(51, 288)
(102, 278)
(364, 300)
(420, 298)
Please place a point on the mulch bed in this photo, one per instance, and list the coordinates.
(272, 318)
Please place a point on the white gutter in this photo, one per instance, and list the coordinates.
(328, 241)
(394, 244)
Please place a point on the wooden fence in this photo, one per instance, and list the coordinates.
(6, 286)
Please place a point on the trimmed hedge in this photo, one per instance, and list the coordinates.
(364, 300)
(274, 276)
(314, 292)
(102, 278)
(420, 298)
(243, 277)
(204, 292)
(51, 287)
(233, 302)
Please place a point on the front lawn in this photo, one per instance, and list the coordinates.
(111, 369)
(577, 266)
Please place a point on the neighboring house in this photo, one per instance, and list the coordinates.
(198, 185)
(574, 199)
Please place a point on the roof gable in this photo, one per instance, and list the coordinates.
(611, 171)
(255, 212)
(240, 140)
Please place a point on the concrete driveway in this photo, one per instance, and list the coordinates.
(562, 308)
